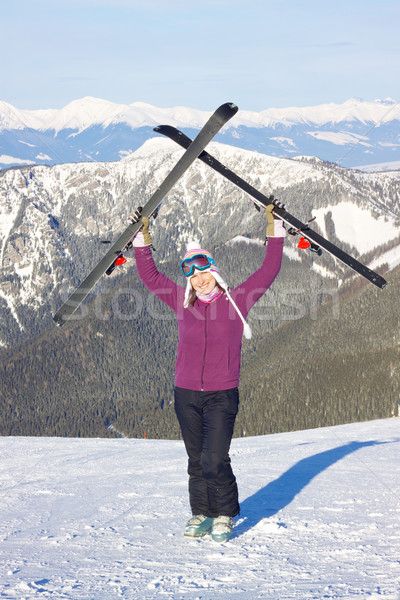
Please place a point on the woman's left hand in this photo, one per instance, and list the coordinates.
(275, 227)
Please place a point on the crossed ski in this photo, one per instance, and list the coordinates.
(316, 241)
(210, 129)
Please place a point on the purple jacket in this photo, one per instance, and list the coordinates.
(210, 335)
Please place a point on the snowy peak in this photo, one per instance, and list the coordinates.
(87, 112)
(83, 113)
(375, 112)
(13, 118)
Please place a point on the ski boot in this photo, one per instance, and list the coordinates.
(222, 528)
(198, 526)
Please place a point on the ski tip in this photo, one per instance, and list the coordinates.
(163, 129)
(380, 282)
(60, 317)
(375, 278)
(229, 108)
(58, 320)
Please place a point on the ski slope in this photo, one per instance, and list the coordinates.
(97, 519)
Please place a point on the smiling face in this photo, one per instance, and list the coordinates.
(204, 283)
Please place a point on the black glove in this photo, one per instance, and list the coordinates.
(137, 215)
(276, 203)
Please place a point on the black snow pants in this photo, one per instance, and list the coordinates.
(207, 420)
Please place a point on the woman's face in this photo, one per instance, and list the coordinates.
(203, 283)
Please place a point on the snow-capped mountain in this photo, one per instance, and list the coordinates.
(353, 134)
(53, 219)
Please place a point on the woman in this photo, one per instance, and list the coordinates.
(211, 322)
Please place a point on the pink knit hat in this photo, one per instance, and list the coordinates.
(192, 251)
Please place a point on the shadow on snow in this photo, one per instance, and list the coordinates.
(279, 493)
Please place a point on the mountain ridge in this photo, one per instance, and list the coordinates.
(353, 133)
(88, 111)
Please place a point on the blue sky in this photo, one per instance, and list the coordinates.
(256, 53)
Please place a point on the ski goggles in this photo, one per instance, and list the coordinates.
(198, 261)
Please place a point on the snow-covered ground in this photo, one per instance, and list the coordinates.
(94, 519)
(357, 226)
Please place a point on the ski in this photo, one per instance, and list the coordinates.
(315, 241)
(115, 253)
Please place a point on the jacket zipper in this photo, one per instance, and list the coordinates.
(205, 349)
